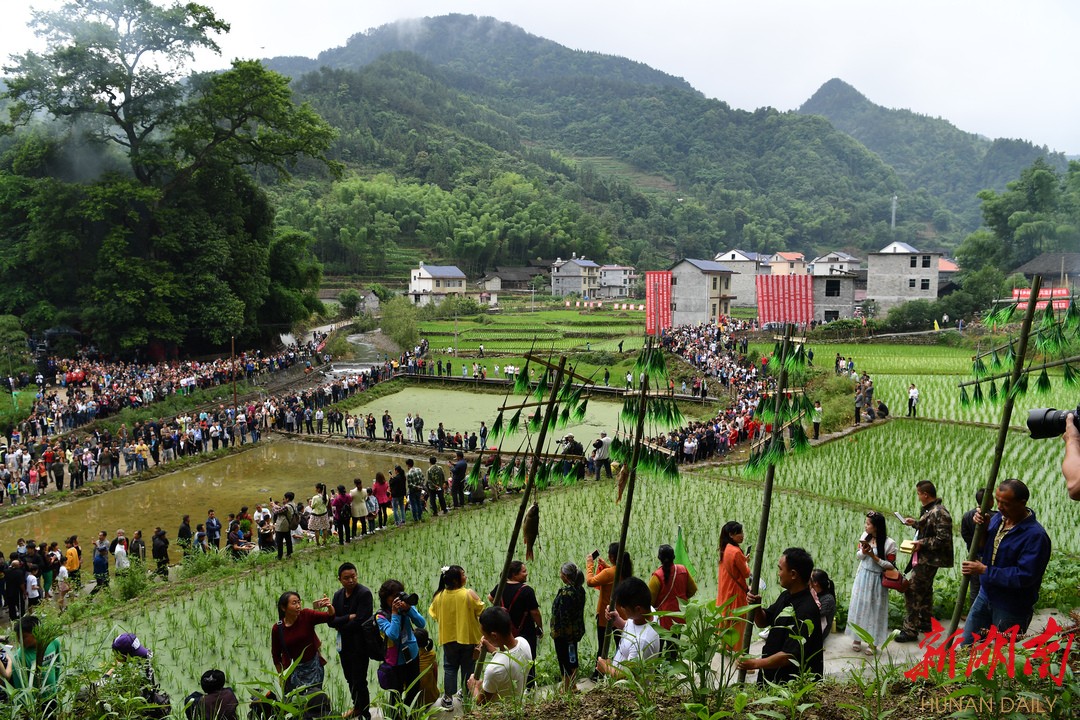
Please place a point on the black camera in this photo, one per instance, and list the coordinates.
(413, 599)
(1050, 422)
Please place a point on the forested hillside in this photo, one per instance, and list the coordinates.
(475, 48)
(203, 210)
(930, 153)
(499, 129)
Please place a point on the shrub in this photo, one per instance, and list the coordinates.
(131, 583)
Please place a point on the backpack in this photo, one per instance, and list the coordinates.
(374, 640)
(293, 516)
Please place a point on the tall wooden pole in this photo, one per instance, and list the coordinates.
(999, 449)
(530, 481)
(233, 363)
(631, 481)
(770, 474)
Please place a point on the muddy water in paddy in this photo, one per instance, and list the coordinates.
(458, 410)
(269, 471)
(224, 485)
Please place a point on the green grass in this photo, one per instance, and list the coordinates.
(819, 504)
(545, 330)
(891, 359)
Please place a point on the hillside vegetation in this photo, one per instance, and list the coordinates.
(930, 153)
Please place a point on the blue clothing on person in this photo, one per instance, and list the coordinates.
(399, 633)
(1012, 581)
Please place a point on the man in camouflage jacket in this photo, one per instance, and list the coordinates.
(932, 550)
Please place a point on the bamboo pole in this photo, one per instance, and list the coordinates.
(1009, 374)
(511, 548)
(631, 481)
(999, 450)
(770, 474)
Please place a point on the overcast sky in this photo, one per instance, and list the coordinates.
(1001, 69)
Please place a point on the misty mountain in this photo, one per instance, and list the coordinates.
(482, 47)
(927, 152)
(631, 164)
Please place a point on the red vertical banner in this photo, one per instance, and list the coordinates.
(657, 301)
(785, 298)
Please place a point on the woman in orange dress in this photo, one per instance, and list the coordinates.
(734, 571)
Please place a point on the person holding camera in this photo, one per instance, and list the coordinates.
(457, 610)
(397, 618)
(293, 639)
(602, 577)
(602, 455)
(1070, 466)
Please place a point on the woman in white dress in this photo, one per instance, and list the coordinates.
(869, 604)
(319, 518)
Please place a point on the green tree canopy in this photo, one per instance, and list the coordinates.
(121, 62)
(399, 321)
(178, 247)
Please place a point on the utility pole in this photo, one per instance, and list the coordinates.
(894, 198)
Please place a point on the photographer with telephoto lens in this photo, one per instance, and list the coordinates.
(1070, 466)
(1051, 422)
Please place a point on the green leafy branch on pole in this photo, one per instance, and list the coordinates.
(1054, 335)
(783, 409)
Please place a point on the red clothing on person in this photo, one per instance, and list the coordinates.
(734, 572)
(668, 594)
(300, 638)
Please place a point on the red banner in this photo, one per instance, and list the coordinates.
(657, 301)
(1060, 296)
(785, 299)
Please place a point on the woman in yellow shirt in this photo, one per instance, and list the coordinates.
(457, 611)
(72, 561)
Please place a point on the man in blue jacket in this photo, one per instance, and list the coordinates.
(1015, 553)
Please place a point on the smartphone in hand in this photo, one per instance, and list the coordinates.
(595, 554)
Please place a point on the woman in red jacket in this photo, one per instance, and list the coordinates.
(293, 639)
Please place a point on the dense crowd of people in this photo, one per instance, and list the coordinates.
(719, 353)
(510, 626)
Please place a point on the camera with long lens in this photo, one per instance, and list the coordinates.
(412, 599)
(1050, 422)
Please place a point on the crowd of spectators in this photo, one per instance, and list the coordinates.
(720, 354)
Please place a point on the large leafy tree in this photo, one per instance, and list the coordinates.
(119, 64)
(180, 249)
(1038, 212)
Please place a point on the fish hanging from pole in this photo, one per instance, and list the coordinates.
(530, 528)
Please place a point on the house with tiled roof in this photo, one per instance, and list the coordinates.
(899, 273)
(788, 263)
(700, 291)
(511, 278)
(576, 276)
(433, 283)
(834, 263)
(1057, 269)
(616, 281)
(745, 267)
